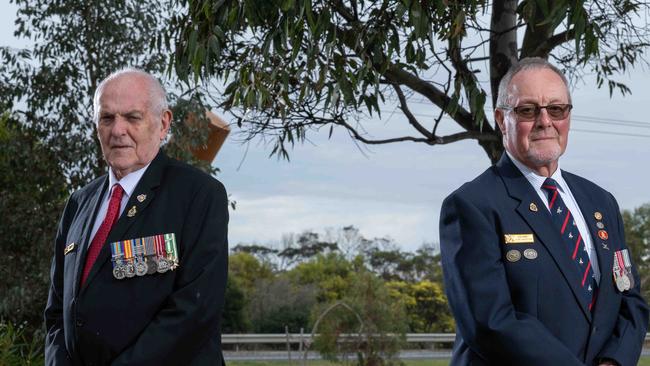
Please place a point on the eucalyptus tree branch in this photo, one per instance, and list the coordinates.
(397, 75)
(545, 48)
(407, 112)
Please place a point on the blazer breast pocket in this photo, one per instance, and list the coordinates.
(521, 262)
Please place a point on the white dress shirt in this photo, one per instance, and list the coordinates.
(537, 180)
(128, 184)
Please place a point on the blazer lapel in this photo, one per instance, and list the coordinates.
(142, 195)
(86, 238)
(603, 247)
(536, 215)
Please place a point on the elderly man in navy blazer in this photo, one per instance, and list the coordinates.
(140, 257)
(535, 263)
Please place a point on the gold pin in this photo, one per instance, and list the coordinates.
(598, 215)
(132, 212)
(533, 207)
(518, 238)
(141, 197)
(69, 248)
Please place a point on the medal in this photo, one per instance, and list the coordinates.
(161, 254)
(118, 272)
(163, 265)
(513, 255)
(530, 253)
(129, 268)
(622, 276)
(152, 267)
(140, 265)
(117, 253)
(172, 252)
(628, 267)
(623, 283)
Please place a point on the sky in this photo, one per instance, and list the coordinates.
(396, 190)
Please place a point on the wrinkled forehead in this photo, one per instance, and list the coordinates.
(538, 86)
(125, 93)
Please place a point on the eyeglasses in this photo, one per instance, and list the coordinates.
(528, 112)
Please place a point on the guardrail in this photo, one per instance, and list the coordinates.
(279, 338)
(293, 338)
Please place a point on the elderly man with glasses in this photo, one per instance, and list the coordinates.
(535, 263)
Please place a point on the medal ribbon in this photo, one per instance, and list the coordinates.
(128, 250)
(115, 248)
(621, 263)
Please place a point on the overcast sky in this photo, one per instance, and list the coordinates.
(396, 190)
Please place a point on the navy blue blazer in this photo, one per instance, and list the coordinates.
(528, 311)
(170, 318)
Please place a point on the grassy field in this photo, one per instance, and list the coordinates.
(325, 363)
(645, 361)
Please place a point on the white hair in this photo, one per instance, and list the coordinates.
(157, 95)
(528, 63)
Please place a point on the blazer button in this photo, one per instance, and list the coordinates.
(80, 323)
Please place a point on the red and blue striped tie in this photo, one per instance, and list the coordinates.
(564, 221)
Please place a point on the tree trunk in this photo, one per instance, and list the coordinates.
(503, 43)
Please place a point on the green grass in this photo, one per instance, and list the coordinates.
(325, 363)
(645, 361)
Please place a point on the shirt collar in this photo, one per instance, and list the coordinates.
(127, 182)
(535, 179)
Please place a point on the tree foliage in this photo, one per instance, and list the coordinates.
(376, 321)
(32, 194)
(48, 143)
(74, 45)
(290, 66)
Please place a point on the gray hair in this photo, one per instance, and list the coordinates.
(157, 95)
(528, 63)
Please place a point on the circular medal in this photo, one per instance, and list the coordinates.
(530, 253)
(129, 270)
(152, 267)
(118, 272)
(163, 265)
(140, 268)
(603, 234)
(626, 283)
(622, 283)
(513, 255)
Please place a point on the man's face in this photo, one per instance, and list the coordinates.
(129, 133)
(542, 140)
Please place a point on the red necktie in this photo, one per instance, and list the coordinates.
(102, 233)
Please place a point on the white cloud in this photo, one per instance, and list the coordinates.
(265, 219)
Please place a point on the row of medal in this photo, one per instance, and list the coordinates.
(623, 270)
(148, 255)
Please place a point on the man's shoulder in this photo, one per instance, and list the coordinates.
(90, 189)
(585, 184)
(185, 175)
(480, 187)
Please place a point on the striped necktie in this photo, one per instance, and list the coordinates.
(565, 222)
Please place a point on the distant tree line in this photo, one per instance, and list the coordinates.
(270, 288)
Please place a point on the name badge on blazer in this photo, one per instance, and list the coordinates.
(519, 238)
(70, 247)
